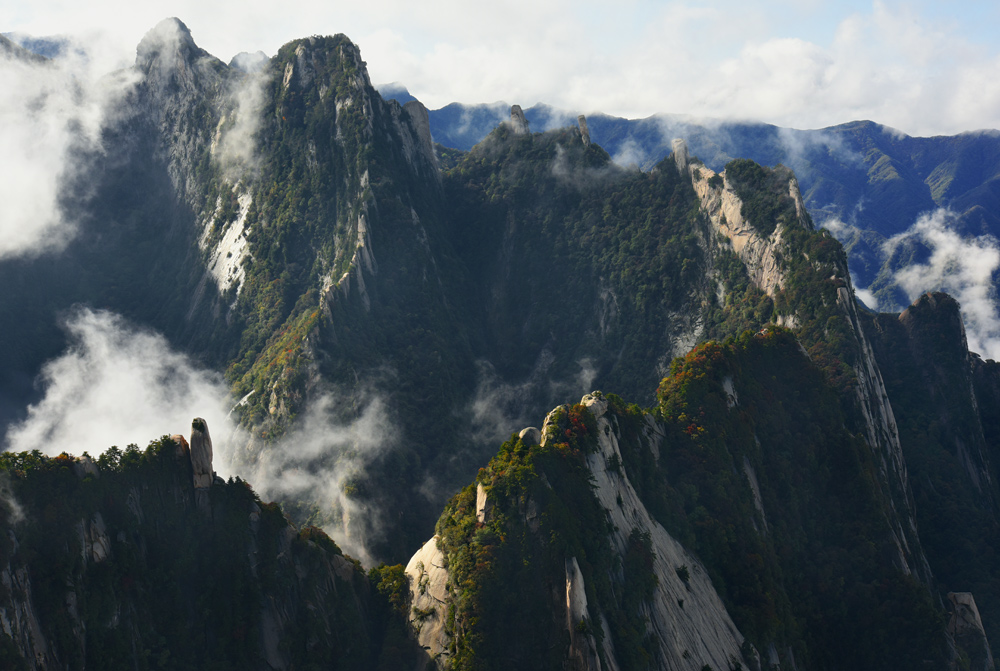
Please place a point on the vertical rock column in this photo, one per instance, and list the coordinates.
(201, 453)
(584, 131)
(517, 121)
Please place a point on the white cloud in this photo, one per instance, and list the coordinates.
(962, 267)
(631, 154)
(237, 147)
(804, 65)
(115, 385)
(867, 297)
(500, 408)
(48, 112)
(318, 460)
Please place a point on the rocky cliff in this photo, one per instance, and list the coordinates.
(605, 596)
(758, 232)
(627, 539)
(945, 403)
(809, 474)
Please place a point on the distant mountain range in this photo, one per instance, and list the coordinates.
(864, 181)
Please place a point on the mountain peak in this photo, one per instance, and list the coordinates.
(249, 63)
(168, 42)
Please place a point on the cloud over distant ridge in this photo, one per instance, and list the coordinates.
(925, 68)
(964, 267)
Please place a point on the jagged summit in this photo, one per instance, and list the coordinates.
(170, 44)
(517, 121)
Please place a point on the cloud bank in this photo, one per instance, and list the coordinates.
(117, 384)
(964, 267)
(49, 113)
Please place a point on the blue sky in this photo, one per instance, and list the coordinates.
(922, 67)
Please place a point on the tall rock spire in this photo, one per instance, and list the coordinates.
(517, 121)
(201, 453)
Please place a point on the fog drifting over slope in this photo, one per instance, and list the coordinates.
(50, 112)
(118, 384)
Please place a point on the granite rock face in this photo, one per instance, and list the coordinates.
(429, 595)
(517, 121)
(702, 628)
(584, 130)
(967, 627)
(201, 454)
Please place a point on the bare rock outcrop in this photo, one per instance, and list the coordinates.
(422, 125)
(582, 646)
(584, 131)
(530, 435)
(201, 453)
(484, 507)
(429, 594)
(724, 210)
(967, 627)
(680, 150)
(517, 121)
(702, 629)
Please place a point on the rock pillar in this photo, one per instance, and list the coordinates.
(584, 131)
(201, 453)
(517, 121)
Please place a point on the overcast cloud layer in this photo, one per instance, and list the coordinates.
(921, 67)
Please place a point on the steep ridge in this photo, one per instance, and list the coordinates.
(294, 228)
(867, 181)
(756, 230)
(580, 269)
(531, 567)
(796, 276)
(317, 221)
(303, 217)
(642, 540)
(946, 408)
(275, 225)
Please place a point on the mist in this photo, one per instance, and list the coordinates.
(118, 384)
(499, 408)
(320, 460)
(964, 267)
(236, 148)
(50, 113)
